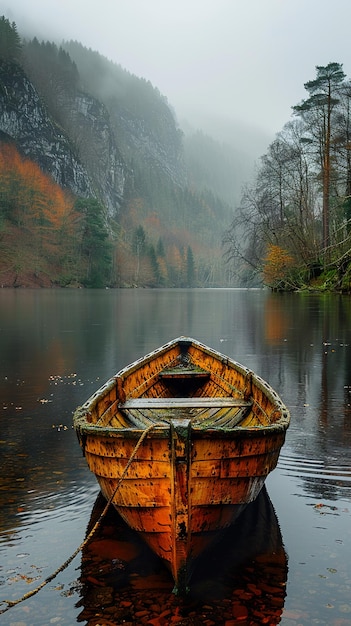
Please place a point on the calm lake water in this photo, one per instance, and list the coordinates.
(289, 560)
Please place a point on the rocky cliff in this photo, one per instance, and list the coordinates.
(87, 161)
(90, 145)
(23, 118)
(144, 124)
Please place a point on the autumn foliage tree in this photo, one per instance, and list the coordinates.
(277, 265)
(39, 222)
(28, 196)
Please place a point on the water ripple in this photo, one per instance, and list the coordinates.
(324, 471)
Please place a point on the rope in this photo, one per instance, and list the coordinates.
(12, 603)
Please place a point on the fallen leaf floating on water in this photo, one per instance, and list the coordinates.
(29, 579)
(321, 506)
(70, 379)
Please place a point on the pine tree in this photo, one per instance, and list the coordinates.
(317, 110)
(10, 43)
(96, 249)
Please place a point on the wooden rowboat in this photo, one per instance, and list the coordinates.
(214, 432)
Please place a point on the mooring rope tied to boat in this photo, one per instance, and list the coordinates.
(29, 594)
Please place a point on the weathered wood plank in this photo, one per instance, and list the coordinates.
(184, 373)
(183, 403)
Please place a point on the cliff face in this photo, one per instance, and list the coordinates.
(88, 126)
(143, 123)
(82, 143)
(24, 119)
(155, 143)
(82, 157)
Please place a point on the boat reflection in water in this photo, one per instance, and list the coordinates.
(243, 577)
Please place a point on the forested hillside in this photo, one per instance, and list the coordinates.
(97, 186)
(293, 230)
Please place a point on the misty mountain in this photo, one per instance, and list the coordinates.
(105, 134)
(142, 119)
(214, 165)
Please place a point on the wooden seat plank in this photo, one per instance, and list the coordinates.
(183, 403)
(184, 372)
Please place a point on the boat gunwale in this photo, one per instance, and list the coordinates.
(81, 415)
(163, 430)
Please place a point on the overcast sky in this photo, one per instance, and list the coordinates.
(244, 61)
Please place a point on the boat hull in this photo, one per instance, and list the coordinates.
(187, 479)
(181, 490)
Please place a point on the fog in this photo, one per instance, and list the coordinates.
(232, 67)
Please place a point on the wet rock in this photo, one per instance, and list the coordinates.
(240, 612)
